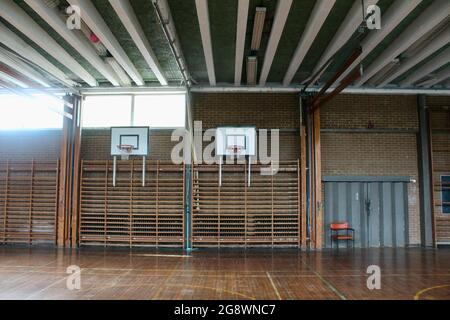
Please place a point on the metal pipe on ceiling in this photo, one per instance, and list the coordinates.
(350, 90)
(169, 30)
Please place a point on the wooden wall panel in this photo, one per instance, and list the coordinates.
(28, 201)
(129, 213)
(266, 213)
(440, 150)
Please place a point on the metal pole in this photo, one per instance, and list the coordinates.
(114, 170)
(143, 171)
(220, 171)
(249, 169)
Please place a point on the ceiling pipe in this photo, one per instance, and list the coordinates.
(348, 90)
(165, 18)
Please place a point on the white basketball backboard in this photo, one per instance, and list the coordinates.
(232, 141)
(135, 139)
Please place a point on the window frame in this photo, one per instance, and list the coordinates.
(132, 110)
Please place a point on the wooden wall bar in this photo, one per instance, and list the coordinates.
(440, 166)
(131, 214)
(28, 201)
(268, 213)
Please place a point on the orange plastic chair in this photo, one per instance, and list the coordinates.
(337, 229)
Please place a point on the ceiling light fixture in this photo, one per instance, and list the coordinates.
(258, 27)
(252, 70)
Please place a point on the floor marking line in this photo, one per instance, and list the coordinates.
(169, 285)
(161, 255)
(325, 281)
(273, 285)
(47, 287)
(418, 294)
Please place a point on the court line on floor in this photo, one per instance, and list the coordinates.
(273, 285)
(325, 281)
(418, 294)
(161, 255)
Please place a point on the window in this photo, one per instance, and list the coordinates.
(160, 111)
(106, 111)
(155, 111)
(445, 194)
(35, 112)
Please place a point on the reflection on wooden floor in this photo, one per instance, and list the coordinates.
(40, 273)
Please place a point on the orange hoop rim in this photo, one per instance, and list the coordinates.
(128, 148)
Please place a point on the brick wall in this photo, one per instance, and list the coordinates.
(389, 149)
(30, 144)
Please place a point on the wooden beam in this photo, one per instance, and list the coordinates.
(352, 77)
(76, 172)
(355, 54)
(303, 184)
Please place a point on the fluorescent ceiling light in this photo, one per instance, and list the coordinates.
(252, 70)
(258, 27)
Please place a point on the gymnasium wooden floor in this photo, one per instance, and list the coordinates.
(40, 273)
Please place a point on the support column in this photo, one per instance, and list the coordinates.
(303, 177)
(67, 218)
(425, 176)
(317, 163)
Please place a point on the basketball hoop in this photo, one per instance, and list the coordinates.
(126, 148)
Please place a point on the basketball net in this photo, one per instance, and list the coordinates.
(126, 150)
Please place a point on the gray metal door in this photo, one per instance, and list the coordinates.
(376, 207)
